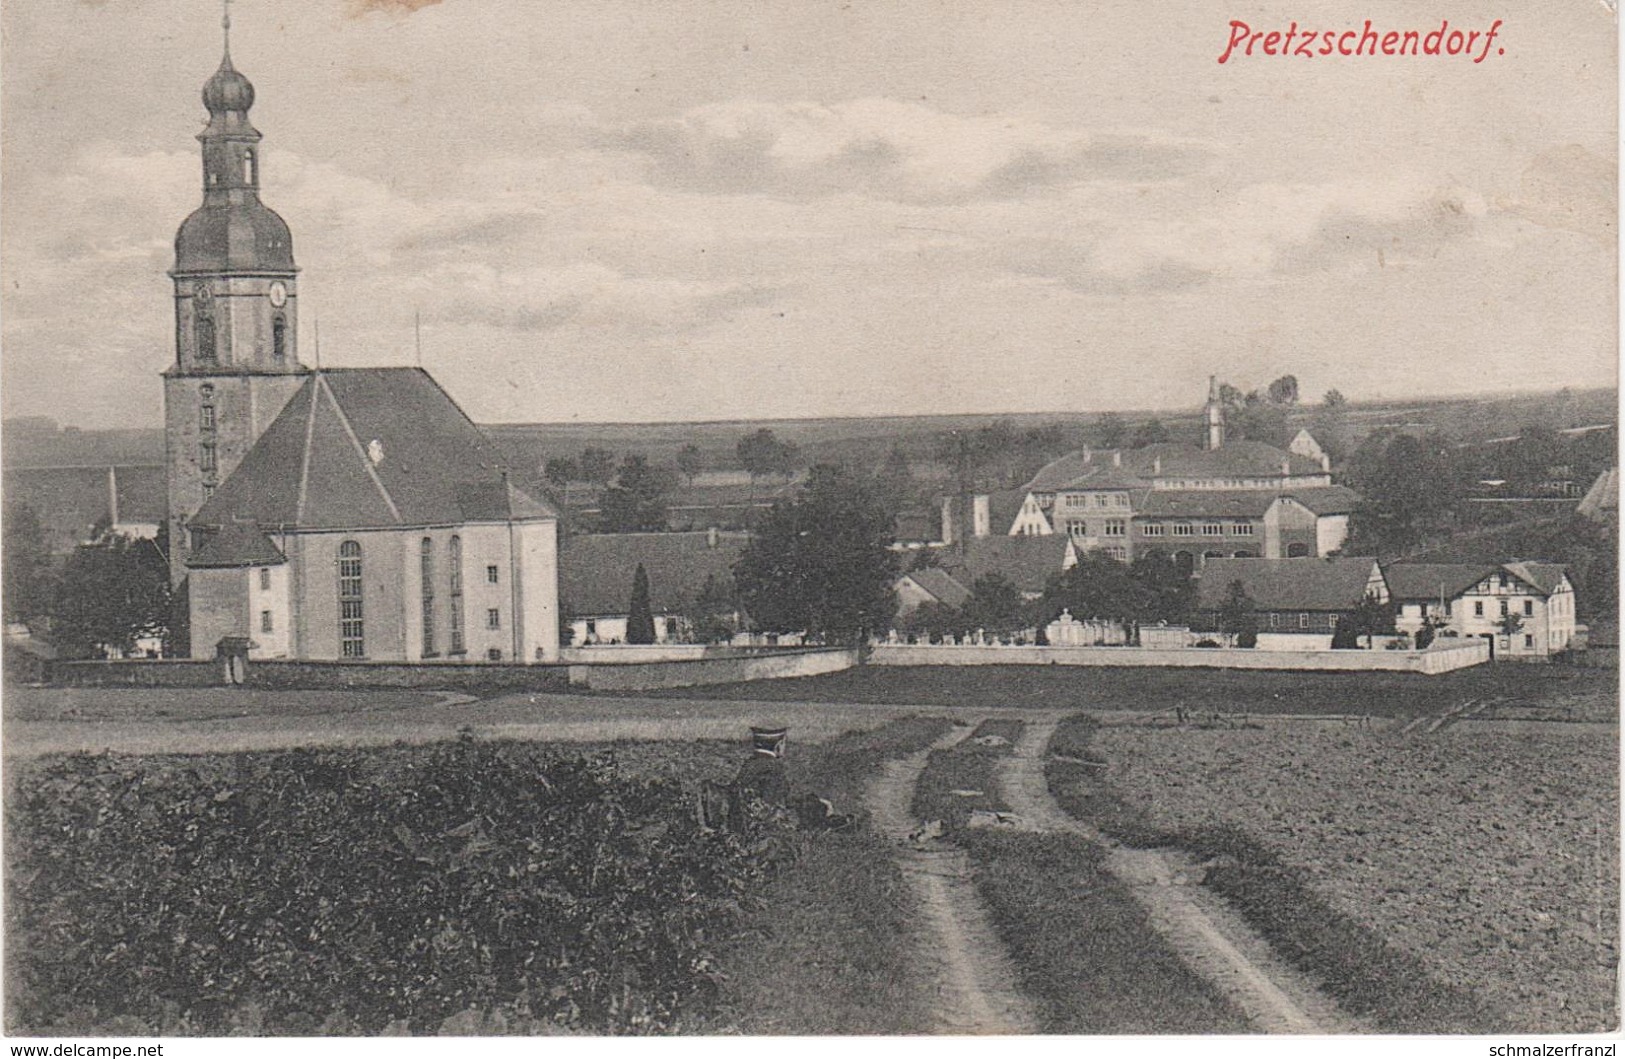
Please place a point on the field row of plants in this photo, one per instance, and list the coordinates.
(468, 887)
(359, 891)
(1083, 946)
(1463, 881)
(1584, 693)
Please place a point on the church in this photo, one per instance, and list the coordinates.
(353, 514)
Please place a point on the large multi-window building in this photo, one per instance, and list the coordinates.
(1228, 499)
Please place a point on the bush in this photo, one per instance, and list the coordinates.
(1204, 642)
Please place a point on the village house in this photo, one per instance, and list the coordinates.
(1524, 609)
(1297, 602)
(596, 571)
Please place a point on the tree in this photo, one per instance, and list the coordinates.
(821, 562)
(1334, 399)
(561, 471)
(895, 479)
(1509, 625)
(1408, 489)
(933, 621)
(1097, 587)
(29, 578)
(1170, 590)
(112, 593)
(1345, 634)
(711, 614)
(596, 466)
(1284, 390)
(640, 618)
(994, 605)
(690, 462)
(636, 503)
(762, 454)
(1151, 432)
(1238, 615)
(1110, 432)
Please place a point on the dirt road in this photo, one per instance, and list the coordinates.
(978, 992)
(1210, 938)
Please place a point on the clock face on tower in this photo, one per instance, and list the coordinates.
(279, 294)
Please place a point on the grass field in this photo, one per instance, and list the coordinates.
(1578, 693)
(824, 949)
(1465, 880)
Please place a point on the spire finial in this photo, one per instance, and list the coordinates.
(225, 24)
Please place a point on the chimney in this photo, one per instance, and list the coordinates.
(947, 519)
(112, 497)
(981, 522)
(1286, 468)
(1325, 462)
(1156, 466)
(712, 538)
(1117, 457)
(1088, 454)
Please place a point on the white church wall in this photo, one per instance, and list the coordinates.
(539, 590)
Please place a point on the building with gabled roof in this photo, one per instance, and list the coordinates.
(351, 514)
(1526, 610)
(373, 520)
(596, 572)
(1227, 499)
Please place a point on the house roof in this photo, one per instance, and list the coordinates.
(1428, 580)
(370, 447)
(1287, 584)
(1241, 503)
(1027, 562)
(919, 526)
(237, 544)
(941, 585)
(1101, 470)
(69, 500)
(1601, 501)
(596, 569)
(1546, 577)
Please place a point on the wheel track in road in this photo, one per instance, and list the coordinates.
(1209, 936)
(977, 992)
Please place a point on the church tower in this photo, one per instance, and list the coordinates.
(236, 312)
(1214, 415)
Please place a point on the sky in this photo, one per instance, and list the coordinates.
(637, 210)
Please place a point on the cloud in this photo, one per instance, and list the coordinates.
(358, 8)
(890, 149)
(1570, 188)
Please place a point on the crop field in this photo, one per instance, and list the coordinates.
(466, 886)
(372, 891)
(1485, 857)
(1570, 693)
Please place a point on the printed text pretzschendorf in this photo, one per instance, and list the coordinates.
(1298, 42)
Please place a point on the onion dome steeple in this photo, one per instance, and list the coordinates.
(233, 231)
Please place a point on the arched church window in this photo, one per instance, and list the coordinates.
(426, 561)
(455, 560)
(279, 337)
(207, 458)
(205, 418)
(248, 168)
(205, 338)
(352, 637)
